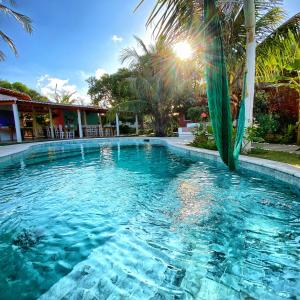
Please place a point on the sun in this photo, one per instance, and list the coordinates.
(183, 50)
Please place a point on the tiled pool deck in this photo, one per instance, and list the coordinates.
(280, 171)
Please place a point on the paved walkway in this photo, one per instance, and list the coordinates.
(278, 147)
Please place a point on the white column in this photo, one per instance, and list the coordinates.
(117, 124)
(84, 118)
(17, 122)
(100, 119)
(79, 123)
(249, 11)
(51, 123)
(136, 124)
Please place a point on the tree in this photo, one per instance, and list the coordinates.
(65, 98)
(158, 84)
(110, 89)
(22, 19)
(179, 18)
(279, 59)
(20, 87)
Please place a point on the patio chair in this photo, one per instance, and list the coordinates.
(94, 131)
(70, 134)
(100, 131)
(59, 134)
(48, 131)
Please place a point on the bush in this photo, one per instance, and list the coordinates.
(124, 129)
(290, 134)
(261, 103)
(267, 124)
(204, 138)
(194, 113)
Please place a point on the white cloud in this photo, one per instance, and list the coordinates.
(49, 86)
(116, 38)
(99, 73)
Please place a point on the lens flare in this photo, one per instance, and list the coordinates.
(183, 50)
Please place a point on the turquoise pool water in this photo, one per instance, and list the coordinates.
(140, 222)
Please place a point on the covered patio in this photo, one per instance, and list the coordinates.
(26, 120)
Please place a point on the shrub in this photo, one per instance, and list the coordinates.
(261, 103)
(194, 113)
(124, 129)
(204, 138)
(267, 124)
(290, 134)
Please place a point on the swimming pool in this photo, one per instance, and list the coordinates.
(143, 222)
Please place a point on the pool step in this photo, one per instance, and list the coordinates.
(124, 267)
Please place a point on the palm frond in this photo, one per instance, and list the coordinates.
(129, 55)
(22, 19)
(268, 22)
(141, 44)
(2, 56)
(172, 18)
(276, 54)
(9, 41)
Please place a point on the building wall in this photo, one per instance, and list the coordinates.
(58, 118)
(92, 118)
(70, 118)
(6, 124)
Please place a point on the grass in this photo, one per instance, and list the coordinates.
(285, 157)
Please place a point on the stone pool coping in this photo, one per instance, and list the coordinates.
(278, 170)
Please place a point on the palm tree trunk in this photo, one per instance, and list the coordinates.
(249, 11)
(160, 126)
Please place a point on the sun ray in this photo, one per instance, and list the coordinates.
(183, 50)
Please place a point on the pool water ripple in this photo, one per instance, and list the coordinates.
(140, 222)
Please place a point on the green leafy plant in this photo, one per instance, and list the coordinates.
(204, 138)
(196, 113)
(267, 124)
(290, 135)
(252, 135)
(261, 105)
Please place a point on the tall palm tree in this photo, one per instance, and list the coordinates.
(177, 18)
(279, 59)
(158, 85)
(22, 19)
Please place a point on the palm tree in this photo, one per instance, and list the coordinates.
(174, 18)
(22, 19)
(278, 50)
(65, 98)
(159, 84)
(177, 18)
(279, 59)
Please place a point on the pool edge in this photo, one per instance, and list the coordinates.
(280, 171)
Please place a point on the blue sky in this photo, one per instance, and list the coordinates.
(75, 39)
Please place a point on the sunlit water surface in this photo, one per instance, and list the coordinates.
(140, 222)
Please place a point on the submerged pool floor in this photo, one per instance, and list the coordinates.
(139, 222)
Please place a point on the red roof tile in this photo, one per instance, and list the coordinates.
(18, 95)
